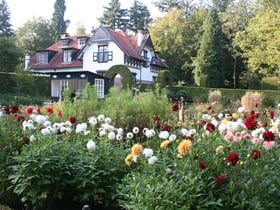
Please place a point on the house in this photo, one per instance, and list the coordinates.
(76, 60)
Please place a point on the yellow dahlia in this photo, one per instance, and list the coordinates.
(164, 144)
(136, 149)
(184, 147)
(129, 159)
(235, 116)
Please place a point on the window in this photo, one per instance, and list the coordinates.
(42, 57)
(103, 55)
(64, 42)
(145, 55)
(99, 84)
(67, 56)
(81, 42)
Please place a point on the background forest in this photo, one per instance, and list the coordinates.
(214, 43)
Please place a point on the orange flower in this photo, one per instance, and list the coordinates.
(137, 149)
(129, 159)
(164, 144)
(184, 147)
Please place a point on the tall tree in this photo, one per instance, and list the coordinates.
(209, 61)
(167, 5)
(221, 5)
(139, 17)
(34, 35)
(260, 43)
(114, 17)
(9, 54)
(235, 19)
(5, 25)
(176, 37)
(58, 23)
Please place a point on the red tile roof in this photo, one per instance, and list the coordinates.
(56, 60)
(128, 44)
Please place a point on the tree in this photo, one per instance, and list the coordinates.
(209, 61)
(9, 54)
(167, 5)
(221, 5)
(114, 17)
(58, 23)
(235, 18)
(5, 25)
(34, 35)
(260, 43)
(80, 29)
(175, 37)
(139, 17)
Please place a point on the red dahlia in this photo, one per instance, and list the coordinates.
(268, 136)
(233, 158)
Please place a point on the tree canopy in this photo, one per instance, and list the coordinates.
(209, 61)
(5, 25)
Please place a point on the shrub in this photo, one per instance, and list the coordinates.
(270, 83)
(51, 171)
(251, 100)
(164, 78)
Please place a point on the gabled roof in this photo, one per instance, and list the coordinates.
(128, 44)
(56, 54)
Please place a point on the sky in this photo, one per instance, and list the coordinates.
(83, 12)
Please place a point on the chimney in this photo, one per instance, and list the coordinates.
(64, 35)
(27, 61)
(140, 37)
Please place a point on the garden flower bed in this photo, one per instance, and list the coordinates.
(212, 158)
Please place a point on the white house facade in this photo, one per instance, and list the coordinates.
(76, 60)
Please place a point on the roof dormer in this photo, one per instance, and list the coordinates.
(64, 40)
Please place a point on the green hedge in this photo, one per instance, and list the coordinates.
(191, 93)
(23, 88)
(270, 83)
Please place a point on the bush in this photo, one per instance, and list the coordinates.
(52, 172)
(270, 83)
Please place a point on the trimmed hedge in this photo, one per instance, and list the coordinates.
(23, 88)
(270, 83)
(192, 93)
(164, 78)
(127, 81)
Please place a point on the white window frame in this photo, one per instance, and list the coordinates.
(67, 56)
(42, 57)
(99, 84)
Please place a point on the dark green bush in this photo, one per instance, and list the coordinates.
(164, 78)
(270, 83)
(50, 171)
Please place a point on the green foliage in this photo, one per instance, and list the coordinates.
(204, 81)
(176, 38)
(139, 17)
(59, 25)
(114, 17)
(9, 54)
(228, 94)
(270, 83)
(164, 78)
(257, 43)
(23, 89)
(5, 25)
(209, 60)
(36, 34)
(129, 110)
(127, 81)
(50, 170)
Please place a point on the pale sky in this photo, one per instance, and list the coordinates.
(84, 12)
